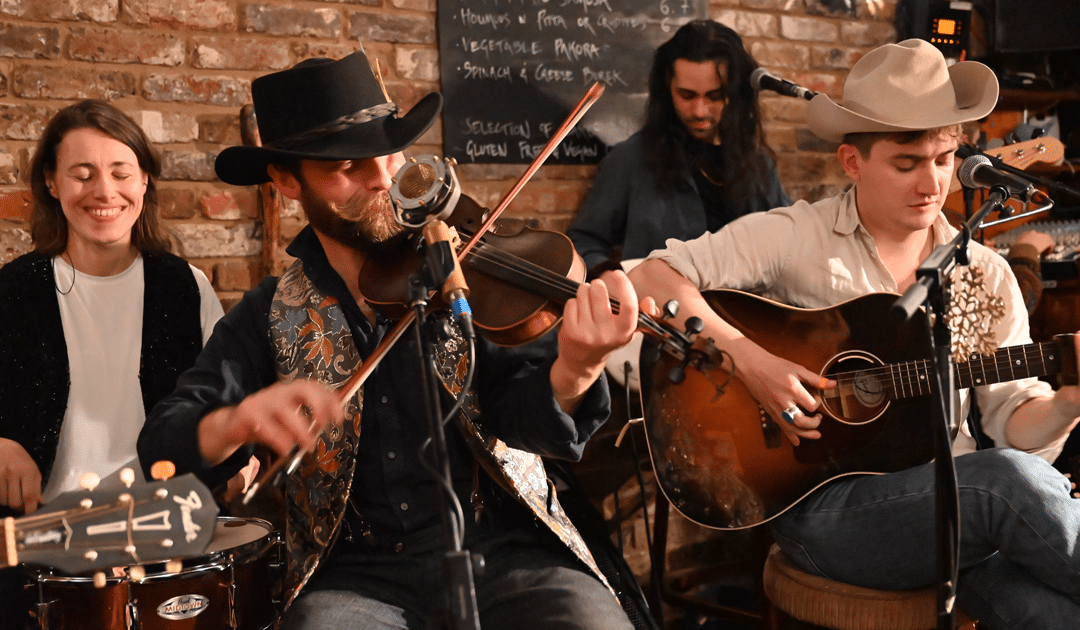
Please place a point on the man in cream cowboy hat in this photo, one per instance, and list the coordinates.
(364, 541)
(898, 125)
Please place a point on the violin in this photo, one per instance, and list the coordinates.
(518, 278)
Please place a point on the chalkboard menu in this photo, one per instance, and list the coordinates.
(512, 70)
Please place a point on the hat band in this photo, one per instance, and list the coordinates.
(381, 110)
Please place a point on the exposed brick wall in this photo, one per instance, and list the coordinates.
(183, 69)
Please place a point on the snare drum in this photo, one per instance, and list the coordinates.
(230, 587)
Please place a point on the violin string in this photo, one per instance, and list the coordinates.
(564, 287)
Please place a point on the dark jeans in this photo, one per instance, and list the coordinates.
(1019, 545)
(529, 581)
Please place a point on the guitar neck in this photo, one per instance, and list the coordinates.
(1007, 364)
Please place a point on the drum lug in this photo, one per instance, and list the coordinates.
(232, 596)
(132, 614)
(49, 616)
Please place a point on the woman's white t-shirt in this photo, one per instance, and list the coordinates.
(102, 319)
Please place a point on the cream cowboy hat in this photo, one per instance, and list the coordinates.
(321, 109)
(904, 87)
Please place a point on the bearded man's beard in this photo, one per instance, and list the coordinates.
(365, 223)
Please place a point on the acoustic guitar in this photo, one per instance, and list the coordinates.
(724, 463)
(87, 530)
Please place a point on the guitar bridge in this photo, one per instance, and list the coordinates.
(769, 429)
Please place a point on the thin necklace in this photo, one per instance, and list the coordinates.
(69, 261)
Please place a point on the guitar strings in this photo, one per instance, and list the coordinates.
(911, 375)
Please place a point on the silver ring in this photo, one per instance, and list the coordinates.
(789, 414)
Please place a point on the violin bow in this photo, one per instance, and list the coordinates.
(284, 466)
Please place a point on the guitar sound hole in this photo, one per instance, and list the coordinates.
(861, 393)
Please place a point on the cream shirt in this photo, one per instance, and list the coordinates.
(818, 255)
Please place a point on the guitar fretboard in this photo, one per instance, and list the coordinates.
(914, 378)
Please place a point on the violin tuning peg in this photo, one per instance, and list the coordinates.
(127, 476)
(89, 481)
(671, 309)
(677, 374)
(694, 325)
(163, 470)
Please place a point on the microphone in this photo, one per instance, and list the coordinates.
(424, 189)
(760, 79)
(977, 171)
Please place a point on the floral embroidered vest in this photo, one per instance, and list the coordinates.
(311, 339)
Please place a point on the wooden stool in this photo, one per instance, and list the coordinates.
(840, 606)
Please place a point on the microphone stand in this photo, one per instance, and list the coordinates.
(929, 289)
(462, 611)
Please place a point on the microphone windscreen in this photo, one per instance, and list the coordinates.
(756, 76)
(967, 169)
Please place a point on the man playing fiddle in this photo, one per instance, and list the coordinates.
(898, 126)
(363, 532)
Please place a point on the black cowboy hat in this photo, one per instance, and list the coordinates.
(321, 109)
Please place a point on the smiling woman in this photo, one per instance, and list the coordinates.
(100, 188)
(96, 323)
(99, 320)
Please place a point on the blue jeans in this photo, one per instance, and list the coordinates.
(1019, 535)
(526, 584)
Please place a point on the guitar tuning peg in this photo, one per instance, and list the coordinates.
(99, 579)
(163, 470)
(89, 481)
(127, 476)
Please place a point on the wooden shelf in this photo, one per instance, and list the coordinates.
(1035, 100)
